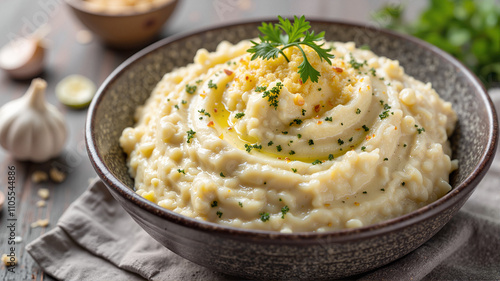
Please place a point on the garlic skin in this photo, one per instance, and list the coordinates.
(30, 128)
(23, 58)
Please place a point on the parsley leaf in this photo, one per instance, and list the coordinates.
(273, 42)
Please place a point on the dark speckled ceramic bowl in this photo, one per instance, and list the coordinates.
(271, 255)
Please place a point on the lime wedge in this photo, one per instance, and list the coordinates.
(75, 91)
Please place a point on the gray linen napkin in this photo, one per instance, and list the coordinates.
(96, 239)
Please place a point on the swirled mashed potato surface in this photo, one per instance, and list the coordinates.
(246, 143)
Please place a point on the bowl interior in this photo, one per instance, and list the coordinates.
(131, 84)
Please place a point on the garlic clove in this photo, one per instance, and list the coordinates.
(30, 128)
(22, 58)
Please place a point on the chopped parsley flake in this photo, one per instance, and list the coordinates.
(190, 135)
(386, 159)
(365, 128)
(420, 130)
(382, 189)
(249, 147)
(190, 89)
(330, 157)
(350, 139)
(311, 142)
(273, 94)
(296, 121)
(285, 132)
(319, 89)
(198, 81)
(294, 170)
(270, 143)
(365, 192)
(299, 136)
(222, 174)
(264, 217)
(340, 141)
(219, 214)
(176, 106)
(279, 148)
(203, 111)
(381, 102)
(387, 106)
(404, 145)
(241, 204)
(403, 183)
(316, 162)
(184, 102)
(329, 119)
(284, 210)
(358, 111)
(303, 112)
(355, 64)
(363, 148)
(291, 152)
(239, 115)
(181, 171)
(214, 204)
(212, 85)
(260, 89)
(384, 114)
(373, 71)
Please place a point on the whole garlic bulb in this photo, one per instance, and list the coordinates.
(30, 128)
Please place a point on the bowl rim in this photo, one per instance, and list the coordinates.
(77, 5)
(384, 227)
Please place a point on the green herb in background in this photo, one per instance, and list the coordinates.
(467, 29)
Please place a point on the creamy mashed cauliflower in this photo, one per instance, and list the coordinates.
(247, 144)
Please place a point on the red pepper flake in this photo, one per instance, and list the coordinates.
(246, 77)
(320, 122)
(215, 110)
(288, 160)
(300, 81)
(210, 124)
(229, 128)
(228, 72)
(356, 203)
(317, 108)
(338, 69)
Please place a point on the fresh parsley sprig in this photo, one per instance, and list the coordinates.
(273, 42)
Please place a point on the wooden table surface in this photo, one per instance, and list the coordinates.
(66, 56)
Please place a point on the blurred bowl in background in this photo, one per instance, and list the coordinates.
(123, 27)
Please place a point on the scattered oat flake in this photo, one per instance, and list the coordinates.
(43, 193)
(39, 176)
(9, 261)
(41, 203)
(41, 223)
(57, 175)
(84, 37)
